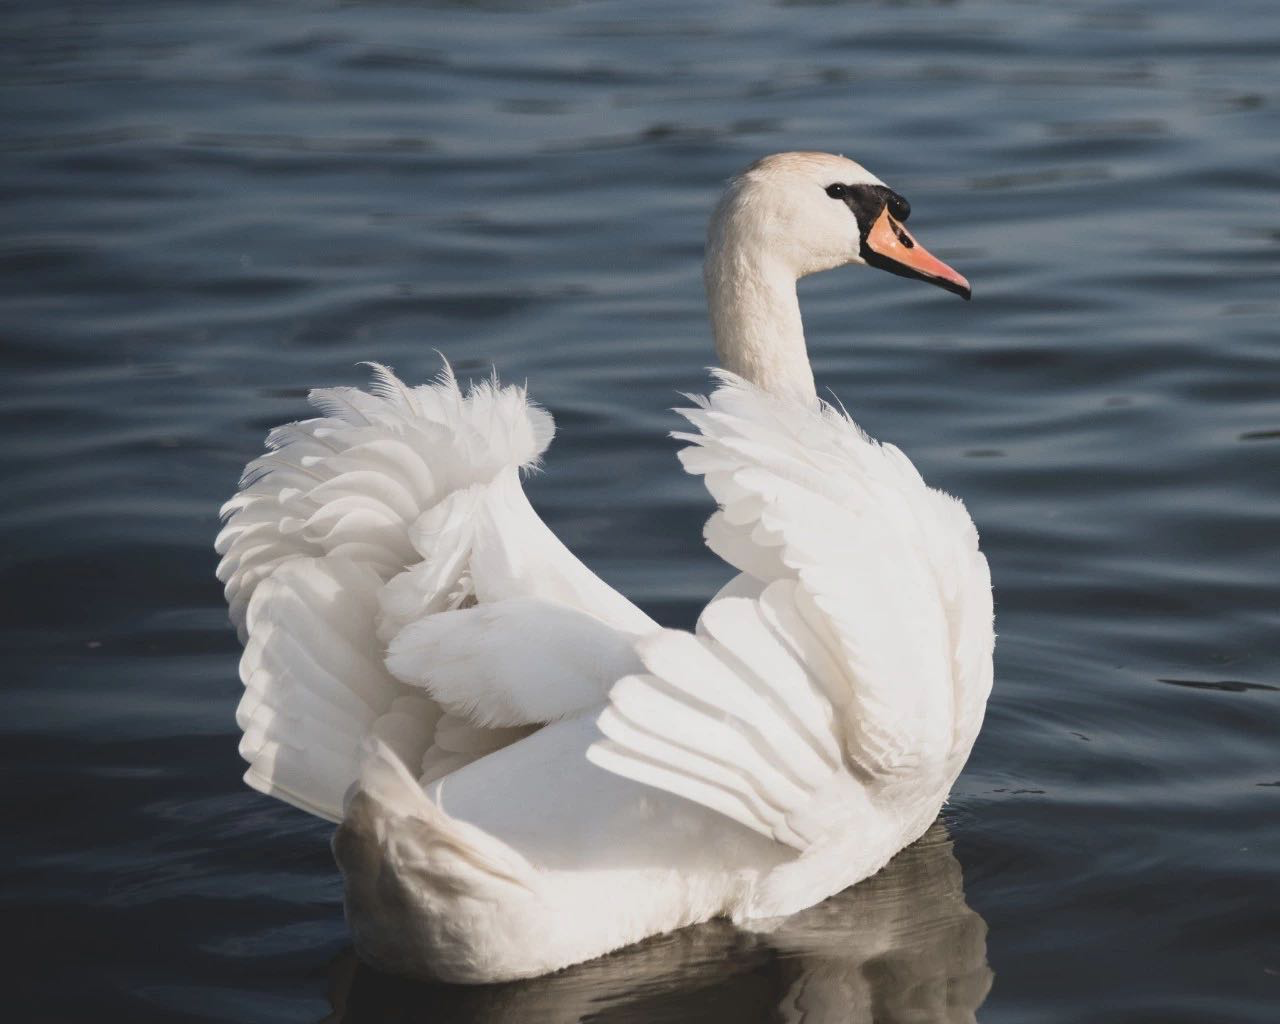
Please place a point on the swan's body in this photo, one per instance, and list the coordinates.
(528, 772)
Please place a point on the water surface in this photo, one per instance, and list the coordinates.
(212, 206)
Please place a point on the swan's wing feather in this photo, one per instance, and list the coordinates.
(847, 671)
(314, 687)
(889, 576)
(735, 717)
(394, 505)
(485, 544)
(517, 661)
(354, 481)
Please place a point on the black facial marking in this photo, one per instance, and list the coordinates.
(867, 202)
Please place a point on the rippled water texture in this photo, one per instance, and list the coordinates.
(212, 206)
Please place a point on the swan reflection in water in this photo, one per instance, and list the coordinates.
(901, 946)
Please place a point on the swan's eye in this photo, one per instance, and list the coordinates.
(837, 191)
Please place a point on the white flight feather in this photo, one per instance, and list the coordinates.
(359, 523)
(843, 666)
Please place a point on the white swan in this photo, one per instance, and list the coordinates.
(529, 772)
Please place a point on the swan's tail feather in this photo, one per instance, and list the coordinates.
(452, 854)
(414, 875)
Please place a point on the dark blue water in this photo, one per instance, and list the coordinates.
(210, 207)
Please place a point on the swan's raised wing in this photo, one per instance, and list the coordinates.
(393, 507)
(863, 662)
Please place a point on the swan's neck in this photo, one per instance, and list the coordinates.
(755, 316)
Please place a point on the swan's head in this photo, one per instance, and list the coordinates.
(816, 211)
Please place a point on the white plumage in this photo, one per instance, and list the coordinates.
(528, 772)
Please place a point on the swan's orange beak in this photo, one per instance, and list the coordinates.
(889, 246)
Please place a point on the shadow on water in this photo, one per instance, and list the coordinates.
(903, 946)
